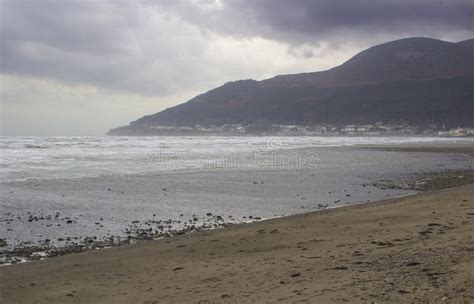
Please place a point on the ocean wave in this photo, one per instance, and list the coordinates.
(31, 146)
(74, 156)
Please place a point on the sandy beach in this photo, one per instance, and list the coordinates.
(418, 248)
(222, 151)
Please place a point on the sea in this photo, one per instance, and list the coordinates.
(39, 158)
(65, 189)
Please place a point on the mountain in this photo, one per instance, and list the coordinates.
(413, 81)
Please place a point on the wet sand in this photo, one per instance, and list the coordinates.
(50, 213)
(418, 248)
(465, 150)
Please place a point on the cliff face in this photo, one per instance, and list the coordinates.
(418, 81)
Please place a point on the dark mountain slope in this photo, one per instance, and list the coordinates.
(405, 59)
(418, 81)
(422, 102)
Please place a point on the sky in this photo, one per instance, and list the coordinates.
(83, 67)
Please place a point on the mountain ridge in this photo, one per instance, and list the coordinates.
(418, 45)
(431, 79)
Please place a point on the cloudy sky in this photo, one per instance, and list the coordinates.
(83, 67)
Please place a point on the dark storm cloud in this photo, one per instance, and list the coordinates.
(157, 47)
(67, 25)
(298, 21)
(67, 40)
(115, 45)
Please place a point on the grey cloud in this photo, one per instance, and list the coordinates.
(303, 21)
(77, 26)
(115, 45)
(160, 47)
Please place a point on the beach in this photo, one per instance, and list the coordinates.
(418, 248)
(123, 190)
(222, 151)
(403, 246)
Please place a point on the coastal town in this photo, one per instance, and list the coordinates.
(376, 129)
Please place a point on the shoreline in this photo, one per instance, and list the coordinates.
(467, 150)
(413, 248)
(26, 254)
(140, 233)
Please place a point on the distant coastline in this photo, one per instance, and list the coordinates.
(376, 129)
(412, 86)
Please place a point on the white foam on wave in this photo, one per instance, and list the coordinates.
(27, 157)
